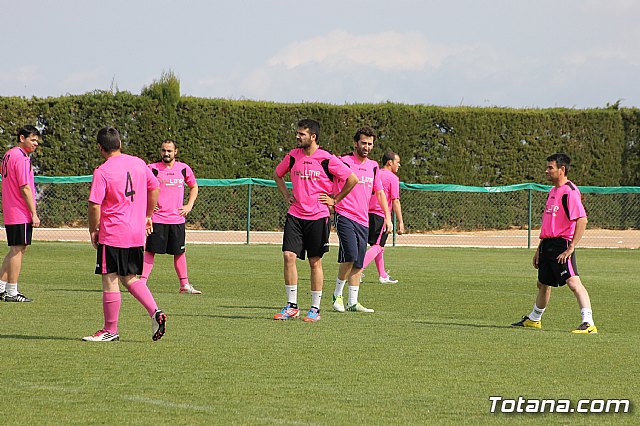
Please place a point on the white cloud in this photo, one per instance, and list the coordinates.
(85, 81)
(387, 51)
(22, 75)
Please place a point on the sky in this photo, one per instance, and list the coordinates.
(504, 53)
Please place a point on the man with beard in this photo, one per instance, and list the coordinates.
(352, 218)
(169, 233)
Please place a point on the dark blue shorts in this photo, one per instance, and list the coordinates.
(353, 241)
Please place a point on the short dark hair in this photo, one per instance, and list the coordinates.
(109, 139)
(28, 130)
(175, 145)
(365, 130)
(312, 125)
(561, 160)
(388, 156)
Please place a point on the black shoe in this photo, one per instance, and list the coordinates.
(158, 322)
(17, 298)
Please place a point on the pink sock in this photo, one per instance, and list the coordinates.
(147, 265)
(141, 292)
(380, 264)
(180, 263)
(370, 255)
(111, 301)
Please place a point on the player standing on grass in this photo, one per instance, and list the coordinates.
(377, 236)
(18, 209)
(563, 224)
(352, 219)
(306, 229)
(169, 235)
(123, 196)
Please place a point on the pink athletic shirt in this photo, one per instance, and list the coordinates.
(391, 186)
(355, 205)
(120, 187)
(16, 172)
(563, 208)
(311, 176)
(171, 196)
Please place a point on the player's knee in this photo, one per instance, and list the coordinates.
(289, 257)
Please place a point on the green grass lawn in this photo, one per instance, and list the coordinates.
(437, 347)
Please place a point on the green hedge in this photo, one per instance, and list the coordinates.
(232, 139)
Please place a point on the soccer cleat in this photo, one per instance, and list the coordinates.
(17, 298)
(102, 336)
(358, 308)
(387, 280)
(2, 296)
(338, 303)
(585, 328)
(158, 324)
(526, 322)
(287, 312)
(313, 315)
(362, 277)
(188, 289)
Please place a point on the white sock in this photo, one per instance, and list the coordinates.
(536, 313)
(11, 289)
(339, 287)
(587, 315)
(315, 298)
(292, 293)
(353, 295)
(3, 285)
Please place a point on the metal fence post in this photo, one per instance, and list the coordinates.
(394, 228)
(249, 213)
(529, 221)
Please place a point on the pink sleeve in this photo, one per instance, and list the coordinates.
(394, 191)
(152, 181)
(283, 167)
(377, 183)
(190, 179)
(98, 187)
(338, 168)
(576, 209)
(23, 172)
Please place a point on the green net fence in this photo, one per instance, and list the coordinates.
(252, 211)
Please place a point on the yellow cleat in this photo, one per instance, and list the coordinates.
(585, 328)
(526, 322)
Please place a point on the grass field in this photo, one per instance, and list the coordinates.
(437, 347)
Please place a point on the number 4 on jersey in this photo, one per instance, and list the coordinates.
(128, 190)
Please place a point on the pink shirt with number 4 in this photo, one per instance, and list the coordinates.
(120, 186)
(355, 205)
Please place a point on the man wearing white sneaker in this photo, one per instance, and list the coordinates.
(352, 219)
(123, 195)
(377, 236)
(169, 217)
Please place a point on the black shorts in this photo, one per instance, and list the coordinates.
(302, 235)
(550, 272)
(166, 239)
(122, 261)
(19, 234)
(353, 241)
(376, 236)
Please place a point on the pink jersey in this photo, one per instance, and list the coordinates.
(171, 196)
(391, 186)
(563, 208)
(16, 173)
(120, 187)
(311, 175)
(355, 205)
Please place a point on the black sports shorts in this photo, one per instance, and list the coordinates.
(166, 239)
(310, 236)
(550, 272)
(19, 234)
(376, 236)
(122, 261)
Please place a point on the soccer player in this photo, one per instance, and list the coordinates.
(18, 209)
(378, 238)
(123, 195)
(352, 219)
(169, 234)
(306, 229)
(563, 224)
